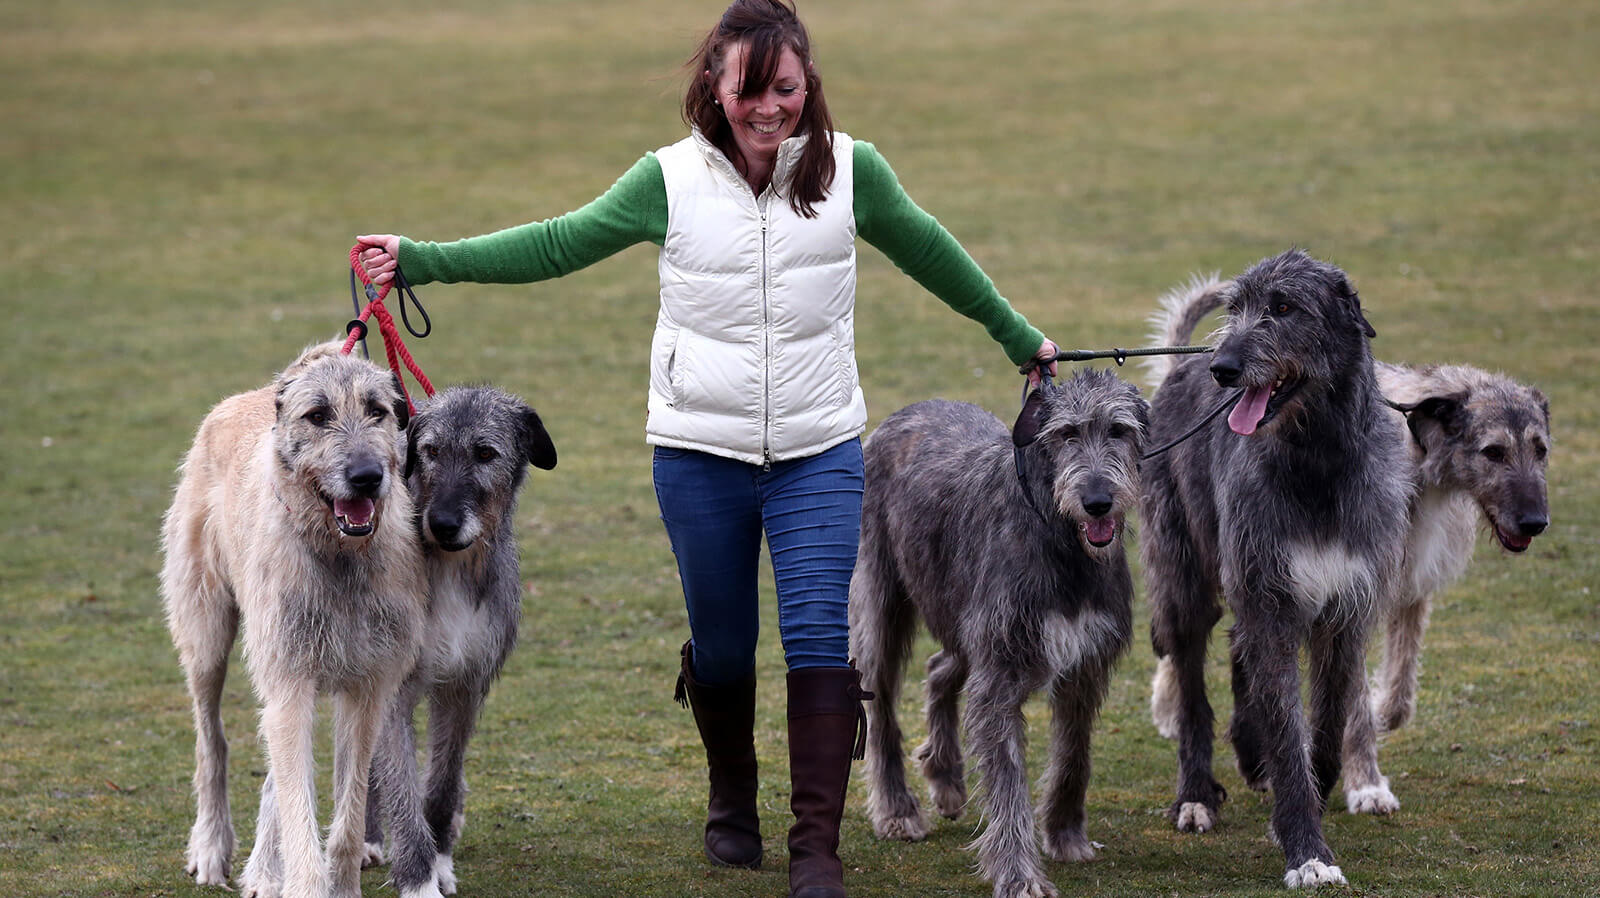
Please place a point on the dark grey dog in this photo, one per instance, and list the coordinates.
(467, 453)
(1010, 550)
(1295, 512)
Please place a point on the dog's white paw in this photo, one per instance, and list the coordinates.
(209, 868)
(429, 889)
(1164, 699)
(1194, 817)
(902, 829)
(257, 886)
(444, 869)
(1070, 845)
(371, 854)
(1311, 874)
(1023, 886)
(1372, 799)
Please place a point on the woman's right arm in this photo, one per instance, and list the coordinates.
(632, 211)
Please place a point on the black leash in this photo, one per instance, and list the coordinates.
(1120, 356)
(372, 294)
(1227, 401)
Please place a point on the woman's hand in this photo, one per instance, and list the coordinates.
(381, 256)
(1043, 361)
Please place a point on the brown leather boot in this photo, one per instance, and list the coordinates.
(827, 727)
(726, 716)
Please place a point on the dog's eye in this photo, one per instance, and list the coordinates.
(486, 453)
(1119, 431)
(318, 417)
(1540, 450)
(430, 451)
(1496, 454)
(1282, 308)
(377, 412)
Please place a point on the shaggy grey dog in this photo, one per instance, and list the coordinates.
(1010, 549)
(291, 518)
(1478, 444)
(468, 452)
(1294, 511)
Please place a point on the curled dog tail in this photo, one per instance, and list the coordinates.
(1182, 310)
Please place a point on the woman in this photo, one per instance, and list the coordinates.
(755, 407)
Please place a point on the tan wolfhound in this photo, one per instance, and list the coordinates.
(291, 516)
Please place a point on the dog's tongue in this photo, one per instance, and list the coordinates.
(1100, 531)
(1247, 412)
(355, 511)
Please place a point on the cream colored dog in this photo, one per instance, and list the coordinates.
(291, 515)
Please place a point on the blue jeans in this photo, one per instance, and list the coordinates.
(716, 510)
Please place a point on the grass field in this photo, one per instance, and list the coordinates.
(180, 183)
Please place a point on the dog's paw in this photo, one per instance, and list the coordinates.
(1193, 817)
(1164, 699)
(1372, 799)
(1025, 886)
(1390, 712)
(371, 854)
(209, 868)
(444, 869)
(252, 885)
(429, 889)
(1311, 874)
(911, 828)
(950, 799)
(1070, 845)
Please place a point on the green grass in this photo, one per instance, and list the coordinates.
(181, 181)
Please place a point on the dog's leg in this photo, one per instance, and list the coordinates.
(1008, 854)
(453, 710)
(287, 722)
(1396, 700)
(883, 626)
(357, 715)
(1244, 731)
(1270, 646)
(1180, 628)
(211, 840)
(263, 872)
(1340, 699)
(940, 756)
(1074, 701)
(397, 783)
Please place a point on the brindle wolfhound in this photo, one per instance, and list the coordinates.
(1477, 444)
(1011, 551)
(1295, 512)
(469, 449)
(290, 517)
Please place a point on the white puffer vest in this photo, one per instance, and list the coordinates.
(753, 356)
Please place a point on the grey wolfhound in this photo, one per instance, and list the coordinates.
(290, 517)
(469, 448)
(1011, 551)
(1294, 511)
(1477, 444)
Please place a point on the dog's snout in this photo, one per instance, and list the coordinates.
(1096, 497)
(1225, 369)
(1532, 524)
(1097, 506)
(365, 476)
(445, 525)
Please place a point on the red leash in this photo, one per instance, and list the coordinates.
(393, 346)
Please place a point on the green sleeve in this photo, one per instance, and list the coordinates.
(632, 211)
(916, 243)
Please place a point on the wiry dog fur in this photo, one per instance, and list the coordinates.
(291, 518)
(469, 448)
(1477, 443)
(1024, 582)
(1295, 511)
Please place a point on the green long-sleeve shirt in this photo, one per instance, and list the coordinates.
(634, 210)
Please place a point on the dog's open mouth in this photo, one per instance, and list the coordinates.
(355, 517)
(1259, 405)
(1513, 541)
(1099, 532)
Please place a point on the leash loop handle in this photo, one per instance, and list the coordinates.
(394, 347)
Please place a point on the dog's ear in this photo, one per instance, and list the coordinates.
(1435, 415)
(1544, 406)
(402, 408)
(1029, 420)
(1348, 291)
(536, 444)
(411, 453)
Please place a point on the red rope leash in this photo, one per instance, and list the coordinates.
(393, 346)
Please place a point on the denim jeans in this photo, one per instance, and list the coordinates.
(716, 510)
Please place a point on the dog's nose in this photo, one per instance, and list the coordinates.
(365, 477)
(1097, 505)
(1225, 370)
(1532, 524)
(445, 526)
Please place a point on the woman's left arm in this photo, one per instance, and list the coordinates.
(921, 247)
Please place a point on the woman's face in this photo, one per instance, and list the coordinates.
(763, 121)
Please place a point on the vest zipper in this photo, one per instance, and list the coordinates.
(766, 334)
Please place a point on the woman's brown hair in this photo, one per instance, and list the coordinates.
(767, 27)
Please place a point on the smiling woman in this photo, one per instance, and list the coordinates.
(755, 402)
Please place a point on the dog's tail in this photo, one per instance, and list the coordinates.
(1182, 310)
